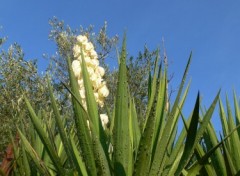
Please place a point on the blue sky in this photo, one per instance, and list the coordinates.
(211, 29)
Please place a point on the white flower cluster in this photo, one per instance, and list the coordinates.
(95, 71)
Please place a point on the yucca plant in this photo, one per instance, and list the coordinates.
(215, 156)
(33, 142)
(158, 148)
(225, 156)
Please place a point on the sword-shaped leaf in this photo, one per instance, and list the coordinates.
(60, 125)
(164, 140)
(191, 138)
(121, 136)
(34, 156)
(82, 129)
(92, 107)
(202, 128)
(234, 138)
(45, 139)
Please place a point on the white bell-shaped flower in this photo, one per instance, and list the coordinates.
(100, 70)
(104, 120)
(82, 93)
(103, 91)
(76, 50)
(80, 83)
(95, 63)
(76, 68)
(93, 54)
(82, 39)
(88, 46)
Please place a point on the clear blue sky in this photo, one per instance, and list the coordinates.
(211, 29)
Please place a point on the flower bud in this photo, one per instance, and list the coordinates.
(101, 71)
(76, 50)
(82, 93)
(76, 68)
(80, 56)
(88, 60)
(80, 83)
(96, 96)
(104, 120)
(95, 63)
(93, 54)
(96, 81)
(103, 91)
(88, 46)
(101, 101)
(90, 70)
(82, 39)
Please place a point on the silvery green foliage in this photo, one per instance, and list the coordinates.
(17, 77)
